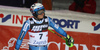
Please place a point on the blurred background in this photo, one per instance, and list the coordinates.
(48, 4)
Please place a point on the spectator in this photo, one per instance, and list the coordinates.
(87, 6)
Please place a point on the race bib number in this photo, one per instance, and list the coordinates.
(40, 38)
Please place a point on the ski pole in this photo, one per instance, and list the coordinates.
(72, 43)
(57, 34)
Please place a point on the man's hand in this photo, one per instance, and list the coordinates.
(69, 41)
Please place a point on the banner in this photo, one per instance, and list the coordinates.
(83, 41)
(84, 28)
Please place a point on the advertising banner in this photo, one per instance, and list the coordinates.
(84, 28)
(83, 41)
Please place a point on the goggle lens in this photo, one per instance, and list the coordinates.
(40, 12)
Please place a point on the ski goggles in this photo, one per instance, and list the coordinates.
(40, 12)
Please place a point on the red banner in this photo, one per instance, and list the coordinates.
(83, 41)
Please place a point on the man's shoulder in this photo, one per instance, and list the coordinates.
(27, 21)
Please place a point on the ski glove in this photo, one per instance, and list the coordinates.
(69, 41)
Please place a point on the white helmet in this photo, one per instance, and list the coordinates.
(35, 8)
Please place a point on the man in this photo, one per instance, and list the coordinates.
(86, 6)
(37, 28)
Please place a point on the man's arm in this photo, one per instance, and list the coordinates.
(57, 28)
(69, 40)
(23, 32)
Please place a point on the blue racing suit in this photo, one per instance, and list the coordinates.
(38, 31)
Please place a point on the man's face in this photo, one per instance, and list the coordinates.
(40, 14)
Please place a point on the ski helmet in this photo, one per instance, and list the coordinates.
(36, 9)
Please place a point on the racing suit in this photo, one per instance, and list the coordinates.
(38, 31)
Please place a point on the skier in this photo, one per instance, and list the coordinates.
(37, 28)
